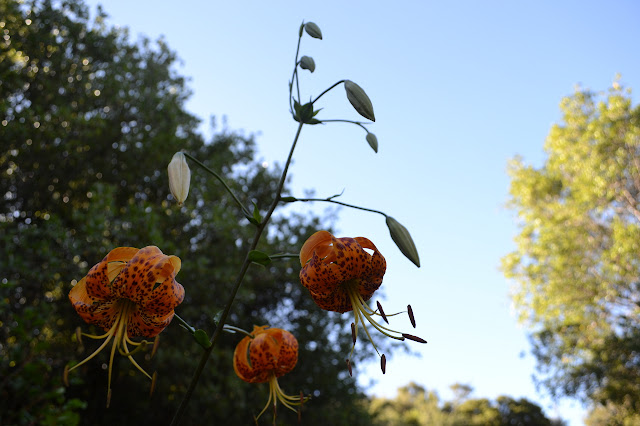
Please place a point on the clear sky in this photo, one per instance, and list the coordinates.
(458, 88)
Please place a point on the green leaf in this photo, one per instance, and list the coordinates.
(202, 338)
(305, 113)
(256, 217)
(217, 316)
(259, 257)
(288, 199)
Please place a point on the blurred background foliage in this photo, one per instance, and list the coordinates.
(414, 405)
(89, 122)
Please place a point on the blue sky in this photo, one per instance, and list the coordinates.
(458, 89)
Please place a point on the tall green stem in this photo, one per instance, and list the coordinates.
(236, 286)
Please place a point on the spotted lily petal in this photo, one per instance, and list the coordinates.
(328, 262)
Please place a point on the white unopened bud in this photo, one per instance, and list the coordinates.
(179, 177)
(307, 63)
(359, 100)
(403, 240)
(373, 141)
(313, 30)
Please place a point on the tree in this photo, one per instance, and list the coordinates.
(88, 124)
(415, 406)
(577, 263)
(612, 415)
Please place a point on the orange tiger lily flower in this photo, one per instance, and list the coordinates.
(263, 356)
(341, 276)
(130, 293)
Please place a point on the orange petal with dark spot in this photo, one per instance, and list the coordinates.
(318, 243)
(272, 352)
(327, 266)
(146, 277)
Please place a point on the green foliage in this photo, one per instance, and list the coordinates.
(612, 415)
(414, 406)
(89, 122)
(577, 261)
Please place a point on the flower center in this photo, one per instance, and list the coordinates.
(121, 341)
(277, 394)
(362, 311)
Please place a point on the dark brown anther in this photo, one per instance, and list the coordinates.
(383, 364)
(300, 409)
(384, 317)
(153, 383)
(413, 320)
(414, 338)
(349, 367)
(156, 343)
(353, 333)
(65, 376)
(79, 338)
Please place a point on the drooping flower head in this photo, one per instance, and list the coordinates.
(130, 293)
(341, 275)
(263, 356)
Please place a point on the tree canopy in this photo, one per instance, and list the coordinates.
(414, 405)
(577, 265)
(88, 123)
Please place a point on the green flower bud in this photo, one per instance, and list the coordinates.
(359, 100)
(373, 141)
(403, 240)
(179, 177)
(313, 30)
(307, 63)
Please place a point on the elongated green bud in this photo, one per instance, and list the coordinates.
(313, 30)
(307, 63)
(179, 177)
(359, 100)
(373, 141)
(403, 240)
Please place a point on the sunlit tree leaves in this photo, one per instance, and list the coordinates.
(577, 262)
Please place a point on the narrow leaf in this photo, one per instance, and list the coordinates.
(259, 257)
(202, 338)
